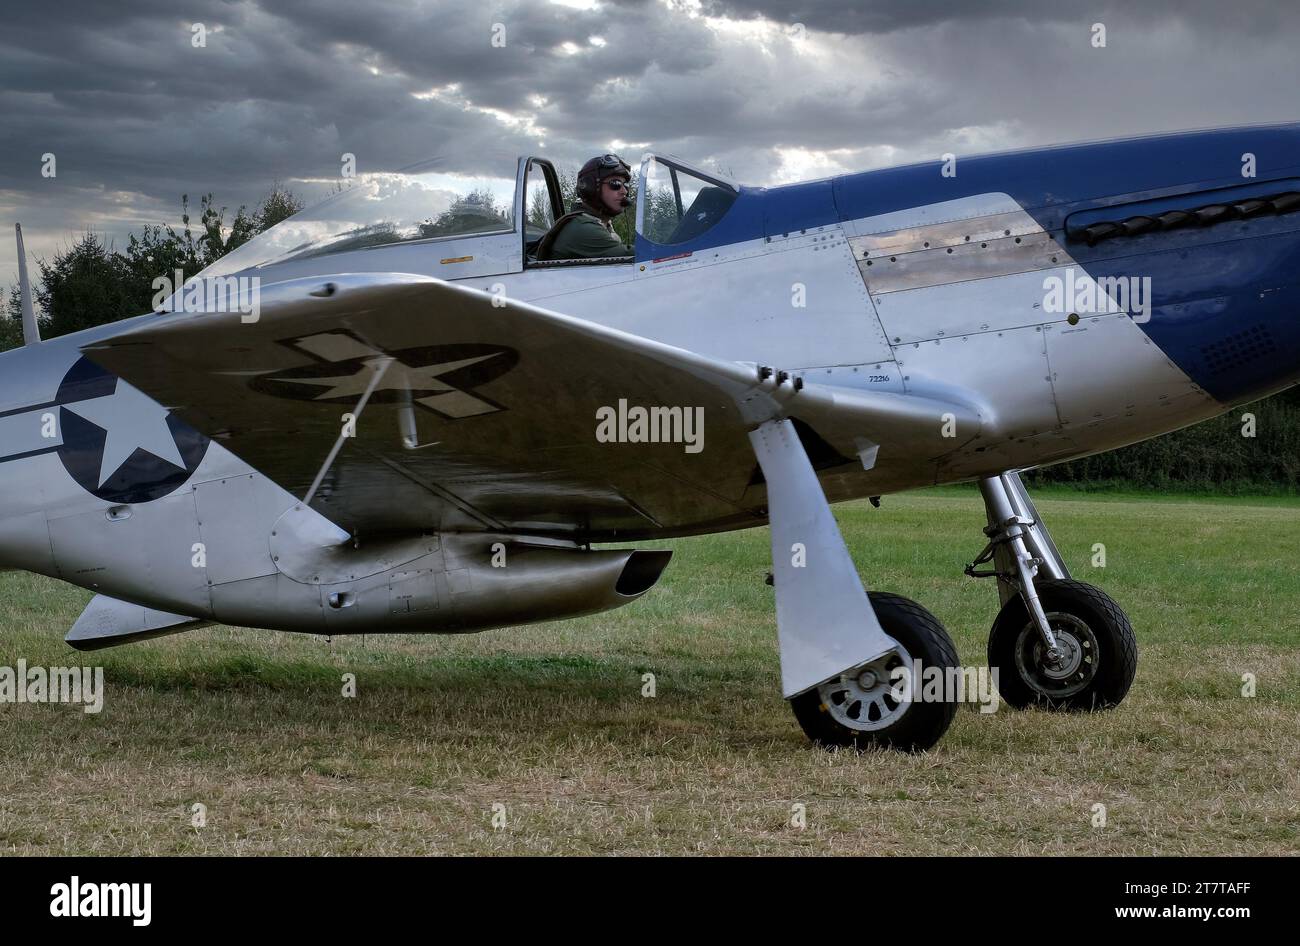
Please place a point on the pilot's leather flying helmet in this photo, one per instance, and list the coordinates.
(594, 173)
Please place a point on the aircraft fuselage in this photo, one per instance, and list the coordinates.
(999, 287)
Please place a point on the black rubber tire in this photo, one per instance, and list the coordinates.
(922, 724)
(1116, 659)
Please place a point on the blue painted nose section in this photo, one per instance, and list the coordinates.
(1227, 312)
(1222, 256)
(1210, 218)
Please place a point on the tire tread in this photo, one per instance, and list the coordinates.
(1116, 637)
(924, 723)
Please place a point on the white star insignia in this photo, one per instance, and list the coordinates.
(131, 421)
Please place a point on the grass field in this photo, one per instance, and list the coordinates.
(549, 720)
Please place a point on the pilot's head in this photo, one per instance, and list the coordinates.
(603, 186)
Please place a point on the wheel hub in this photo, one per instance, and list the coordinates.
(865, 699)
(1067, 671)
(1068, 656)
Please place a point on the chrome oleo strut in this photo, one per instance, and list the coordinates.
(1010, 535)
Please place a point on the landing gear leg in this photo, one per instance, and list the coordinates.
(1056, 643)
(843, 653)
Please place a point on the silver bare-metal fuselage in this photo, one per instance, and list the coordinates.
(906, 284)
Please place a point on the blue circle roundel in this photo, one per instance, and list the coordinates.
(118, 444)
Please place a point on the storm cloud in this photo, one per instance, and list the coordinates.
(136, 114)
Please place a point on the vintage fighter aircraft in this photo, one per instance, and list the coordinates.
(422, 428)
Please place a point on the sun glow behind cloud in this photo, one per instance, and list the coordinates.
(524, 122)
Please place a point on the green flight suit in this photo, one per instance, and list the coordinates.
(581, 235)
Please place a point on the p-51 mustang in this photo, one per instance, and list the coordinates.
(419, 427)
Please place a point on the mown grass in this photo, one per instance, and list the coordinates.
(549, 720)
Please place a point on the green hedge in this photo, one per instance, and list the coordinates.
(1212, 456)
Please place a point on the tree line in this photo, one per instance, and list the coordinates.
(92, 282)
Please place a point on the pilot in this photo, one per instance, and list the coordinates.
(588, 230)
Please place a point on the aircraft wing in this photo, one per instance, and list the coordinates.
(470, 411)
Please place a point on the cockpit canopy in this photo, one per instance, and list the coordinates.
(383, 209)
(677, 204)
(673, 205)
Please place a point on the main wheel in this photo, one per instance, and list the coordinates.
(1098, 650)
(860, 710)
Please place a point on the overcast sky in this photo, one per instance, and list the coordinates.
(136, 114)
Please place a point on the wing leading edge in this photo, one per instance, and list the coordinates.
(483, 412)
